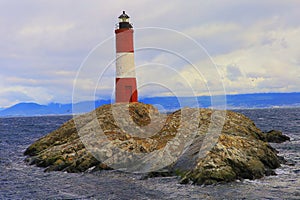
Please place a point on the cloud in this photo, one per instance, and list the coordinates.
(233, 73)
(18, 94)
(255, 46)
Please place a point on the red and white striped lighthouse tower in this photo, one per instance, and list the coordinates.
(126, 87)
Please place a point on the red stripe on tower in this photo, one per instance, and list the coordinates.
(126, 87)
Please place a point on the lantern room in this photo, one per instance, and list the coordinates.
(124, 21)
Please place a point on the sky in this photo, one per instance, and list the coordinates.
(64, 51)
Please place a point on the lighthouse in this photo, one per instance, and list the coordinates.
(126, 86)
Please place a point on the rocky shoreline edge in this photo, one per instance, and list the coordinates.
(240, 150)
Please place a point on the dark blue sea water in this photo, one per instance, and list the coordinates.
(21, 181)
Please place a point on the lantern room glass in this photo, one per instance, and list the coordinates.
(124, 19)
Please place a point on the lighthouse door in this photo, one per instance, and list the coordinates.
(128, 93)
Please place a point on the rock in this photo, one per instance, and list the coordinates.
(233, 157)
(276, 137)
(202, 146)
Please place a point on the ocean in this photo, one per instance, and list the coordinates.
(18, 180)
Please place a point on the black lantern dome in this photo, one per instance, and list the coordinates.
(124, 21)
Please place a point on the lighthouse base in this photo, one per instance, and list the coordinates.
(126, 90)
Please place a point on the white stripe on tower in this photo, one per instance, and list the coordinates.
(125, 65)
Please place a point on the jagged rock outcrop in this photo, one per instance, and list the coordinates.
(202, 146)
(274, 136)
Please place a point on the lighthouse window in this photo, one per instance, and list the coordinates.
(124, 20)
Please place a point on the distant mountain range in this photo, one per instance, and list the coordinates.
(166, 104)
(34, 109)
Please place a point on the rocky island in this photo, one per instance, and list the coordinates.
(201, 146)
